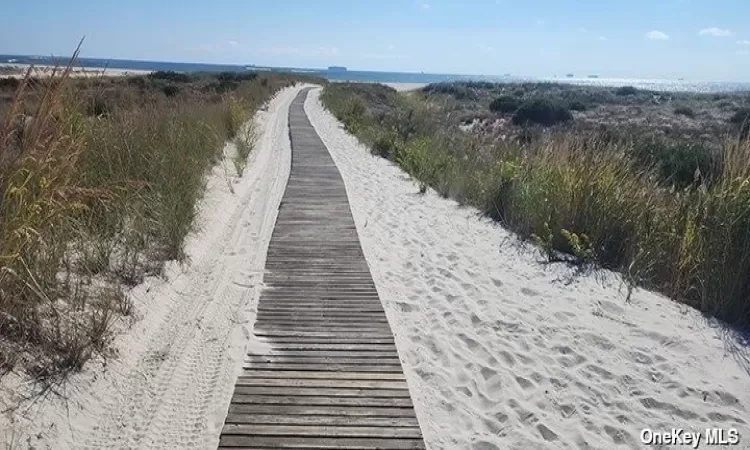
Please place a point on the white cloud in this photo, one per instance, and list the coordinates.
(657, 35)
(714, 32)
(743, 42)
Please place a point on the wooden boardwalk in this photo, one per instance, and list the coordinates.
(331, 378)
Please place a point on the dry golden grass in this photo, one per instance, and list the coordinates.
(585, 199)
(99, 180)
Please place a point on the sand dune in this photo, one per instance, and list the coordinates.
(499, 351)
(170, 383)
(503, 352)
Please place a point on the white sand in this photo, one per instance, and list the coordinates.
(170, 385)
(406, 86)
(501, 353)
(76, 71)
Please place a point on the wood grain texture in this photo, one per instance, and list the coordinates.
(330, 376)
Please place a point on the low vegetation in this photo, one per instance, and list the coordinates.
(542, 112)
(670, 214)
(99, 180)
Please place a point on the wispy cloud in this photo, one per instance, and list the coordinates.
(233, 43)
(601, 38)
(743, 42)
(425, 6)
(657, 35)
(743, 52)
(582, 30)
(715, 32)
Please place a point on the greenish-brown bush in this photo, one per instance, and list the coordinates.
(505, 104)
(626, 90)
(684, 111)
(542, 112)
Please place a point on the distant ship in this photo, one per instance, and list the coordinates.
(570, 75)
(593, 76)
(337, 69)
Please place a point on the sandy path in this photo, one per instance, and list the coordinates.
(501, 352)
(170, 385)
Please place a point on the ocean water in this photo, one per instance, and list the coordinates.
(388, 77)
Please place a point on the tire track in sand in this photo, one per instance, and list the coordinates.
(178, 392)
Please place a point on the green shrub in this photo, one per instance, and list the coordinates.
(685, 111)
(170, 90)
(541, 111)
(741, 120)
(626, 90)
(680, 163)
(577, 105)
(170, 75)
(505, 104)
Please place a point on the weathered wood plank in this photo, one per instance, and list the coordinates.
(322, 420)
(318, 443)
(310, 374)
(325, 410)
(320, 392)
(321, 431)
(306, 382)
(331, 367)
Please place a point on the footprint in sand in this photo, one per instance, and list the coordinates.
(507, 358)
(524, 383)
(529, 292)
(407, 308)
(484, 445)
(617, 435)
(546, 433)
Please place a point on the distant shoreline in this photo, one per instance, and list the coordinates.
(122, 66)
(7, 71)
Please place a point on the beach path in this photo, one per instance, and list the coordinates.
(330, 375)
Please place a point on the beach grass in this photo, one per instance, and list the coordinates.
(584, 198)
(99, 182)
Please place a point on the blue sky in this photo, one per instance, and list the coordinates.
(695, 39)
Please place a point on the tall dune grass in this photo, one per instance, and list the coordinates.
(583, 198)
(94, 199)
